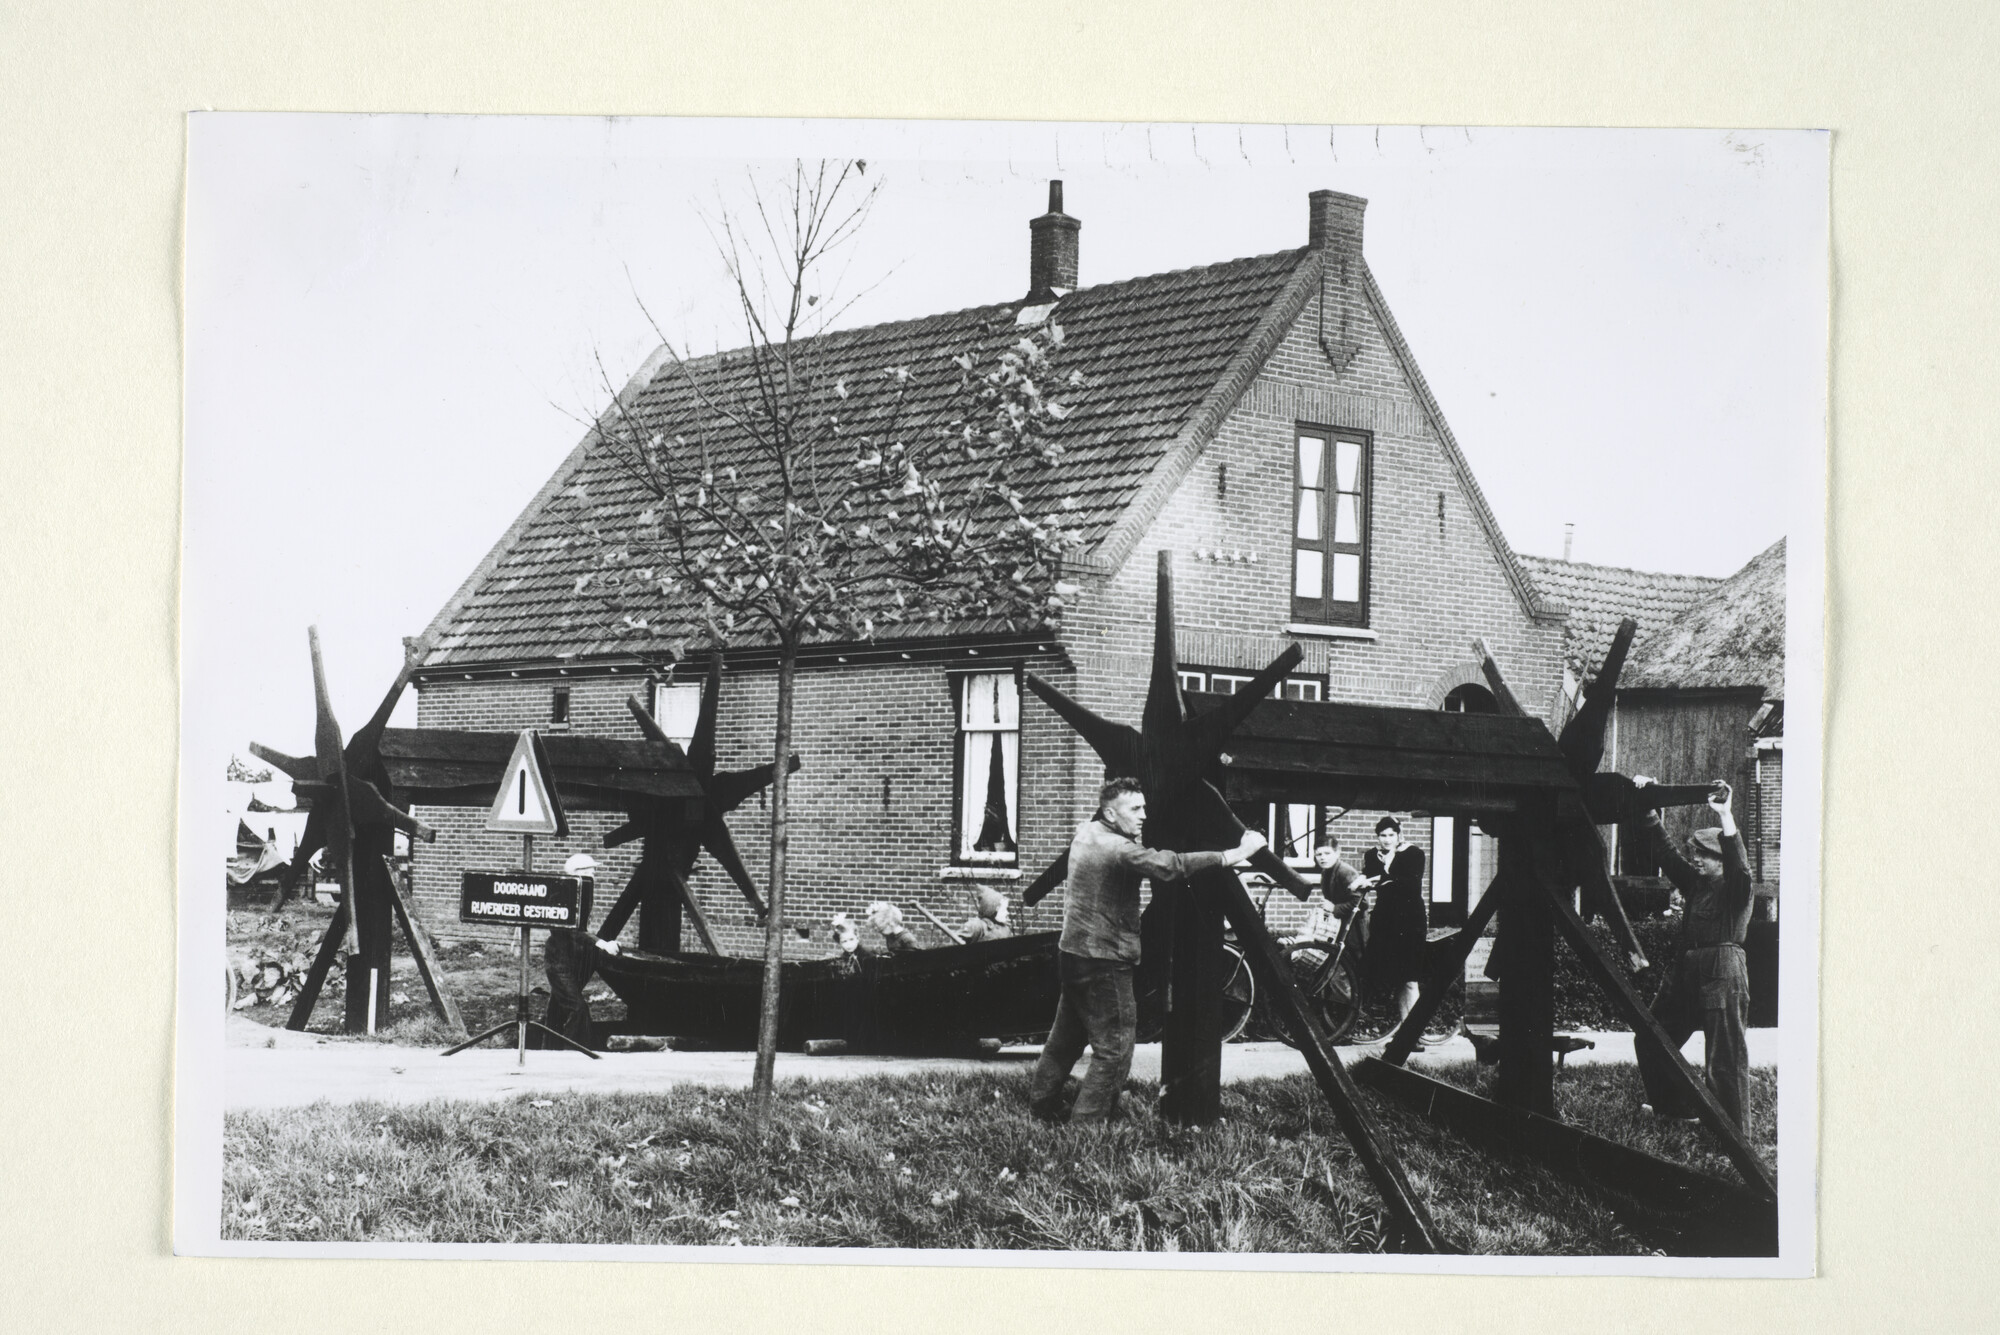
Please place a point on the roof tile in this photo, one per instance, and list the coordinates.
(1151, 349)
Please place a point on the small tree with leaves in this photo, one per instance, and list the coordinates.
(796, 491)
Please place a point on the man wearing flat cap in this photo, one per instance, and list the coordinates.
(1708, 987)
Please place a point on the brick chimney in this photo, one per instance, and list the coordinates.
(1334, 231)
(1052, 251)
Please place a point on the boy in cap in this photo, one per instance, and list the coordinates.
(1343, 888)
(1708, 987)
(989, 923)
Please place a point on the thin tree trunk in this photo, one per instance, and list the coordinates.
(774, 930)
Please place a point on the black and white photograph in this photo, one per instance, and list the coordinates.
(1002, 693)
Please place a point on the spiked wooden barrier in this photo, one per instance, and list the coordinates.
(1540, 794)
(1538, 869)
(677, 831)
(352, 820)
(1170, 755)
(360, 793)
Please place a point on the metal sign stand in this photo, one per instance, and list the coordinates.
(528, 764)
(522, 1022)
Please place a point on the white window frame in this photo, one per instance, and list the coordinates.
(1291, 688)
(972, 771)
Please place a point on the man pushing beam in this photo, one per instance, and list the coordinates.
(1100, 949)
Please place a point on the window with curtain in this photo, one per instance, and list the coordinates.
(675, 709)
(1330, 529)
(989, 767)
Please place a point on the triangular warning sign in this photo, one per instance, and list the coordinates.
(527, 802)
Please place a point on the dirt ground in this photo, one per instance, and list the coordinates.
(483, 977)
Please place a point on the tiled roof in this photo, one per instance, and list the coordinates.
(1733, 636)
(1152, 350)
(1598, 597)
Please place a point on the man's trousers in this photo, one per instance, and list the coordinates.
(1097, 1008)
(1709, 990)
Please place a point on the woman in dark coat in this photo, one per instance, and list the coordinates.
(1397, 926)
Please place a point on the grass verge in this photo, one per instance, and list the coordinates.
(933, 1161)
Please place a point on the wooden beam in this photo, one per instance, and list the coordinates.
(425, 955)
(956, 939)
(329, 946)
(1446, 966)
(1385, 766)
(686, 892)
(1490, 666)
(1241, 783)
(1645, 1029)
(1585, 862)
(1526, 946)
(1191, 1042)
(1412, 1228)
(1668, 1205)
(622, 908)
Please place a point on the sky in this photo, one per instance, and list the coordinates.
(397, 326)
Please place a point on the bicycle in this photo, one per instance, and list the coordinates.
(1328, 967)
(1239, 996)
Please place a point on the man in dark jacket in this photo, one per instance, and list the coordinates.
(1099, 949)
(1708, 987)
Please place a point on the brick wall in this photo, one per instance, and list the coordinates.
(1767, 813)
(853, 728)
(1433, 583)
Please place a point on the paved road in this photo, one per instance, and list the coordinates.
(299, 1069)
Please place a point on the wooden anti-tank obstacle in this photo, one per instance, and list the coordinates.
(361, 793)
(356, 824)
(1540, 794)
(1172, 755)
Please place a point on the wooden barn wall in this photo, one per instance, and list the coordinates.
(1680, 737)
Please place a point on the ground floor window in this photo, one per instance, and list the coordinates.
(675, 709)
(989, 767)
(1293, 830)
(1463, 861)
(1227, 681)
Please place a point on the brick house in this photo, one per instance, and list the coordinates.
(1261, 418)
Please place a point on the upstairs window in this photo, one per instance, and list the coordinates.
(989, 768)
(559, 705)
(1330, 529)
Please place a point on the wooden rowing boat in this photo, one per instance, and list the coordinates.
(938, 1000)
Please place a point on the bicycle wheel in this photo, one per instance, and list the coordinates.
(1239, 993)
(1444, 1022)
(1334, 994)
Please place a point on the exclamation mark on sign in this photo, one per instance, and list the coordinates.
(521, 802)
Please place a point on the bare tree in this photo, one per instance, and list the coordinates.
(795, 490)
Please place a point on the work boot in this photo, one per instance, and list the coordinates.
(1056, 1108)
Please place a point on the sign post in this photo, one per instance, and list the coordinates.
(526, 804)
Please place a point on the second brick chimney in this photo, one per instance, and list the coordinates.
(1334, 230)
(1052, 251)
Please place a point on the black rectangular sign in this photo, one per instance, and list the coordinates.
(519, 899)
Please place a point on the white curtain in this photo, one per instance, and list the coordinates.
(989, 716)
